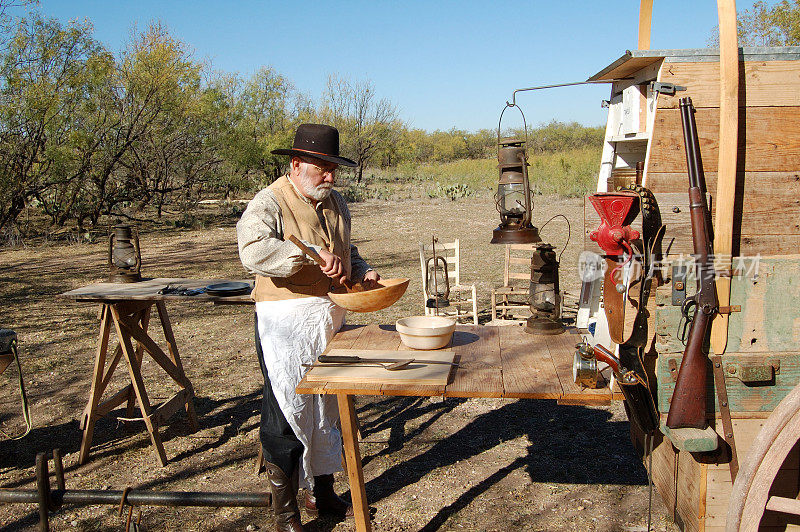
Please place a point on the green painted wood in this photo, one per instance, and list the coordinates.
(742, 397)
(782, 305)
(692, 440)
(768, 291)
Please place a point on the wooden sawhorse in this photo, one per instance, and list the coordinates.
(130, 320)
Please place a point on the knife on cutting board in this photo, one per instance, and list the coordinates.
(355, 359)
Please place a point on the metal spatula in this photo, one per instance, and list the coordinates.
(394, 366)
(354, 359)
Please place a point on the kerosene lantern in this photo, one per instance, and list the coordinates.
(124, 255)
(545, 293)
(513, 198)
(437, 282)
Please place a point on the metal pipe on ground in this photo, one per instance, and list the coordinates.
(49, 500)
(141, 498)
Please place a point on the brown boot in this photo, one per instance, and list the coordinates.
(284, 499)
(325, 501)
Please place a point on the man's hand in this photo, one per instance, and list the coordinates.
(333, 266)
(371, 279)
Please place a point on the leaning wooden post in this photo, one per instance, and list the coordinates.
(726, 169)
(645, 17)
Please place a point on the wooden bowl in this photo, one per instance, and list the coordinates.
(387, 293)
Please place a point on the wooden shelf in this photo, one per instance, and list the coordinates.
(638, 137)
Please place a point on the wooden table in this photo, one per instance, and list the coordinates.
(499, 362)
(126, 307)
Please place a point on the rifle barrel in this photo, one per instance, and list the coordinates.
(688, 405)
(687, 110)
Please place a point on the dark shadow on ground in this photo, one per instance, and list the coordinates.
(111, 437)
(566, 444)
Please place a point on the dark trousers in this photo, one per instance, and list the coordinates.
(281, 446)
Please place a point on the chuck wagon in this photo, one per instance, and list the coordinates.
(752, 396)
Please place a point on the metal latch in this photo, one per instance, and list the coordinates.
(729, 309)
(752, 372)
(665, 88)
(678, 284)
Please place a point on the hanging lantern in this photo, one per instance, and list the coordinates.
(513, 198)
(545, 294)
(437, 282)
(124, 256)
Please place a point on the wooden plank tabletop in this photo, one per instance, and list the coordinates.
(500, 362)
(147, 290)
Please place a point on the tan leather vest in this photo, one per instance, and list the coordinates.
(301, 220)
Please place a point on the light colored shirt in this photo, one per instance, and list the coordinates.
(262, 248)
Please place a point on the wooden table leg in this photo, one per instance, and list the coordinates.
(143, 317)
(97, 384)
(138, 383)
(358, 493)
(172, 349)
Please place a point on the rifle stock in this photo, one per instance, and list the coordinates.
(688, 405)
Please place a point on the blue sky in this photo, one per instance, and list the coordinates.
(443, 64)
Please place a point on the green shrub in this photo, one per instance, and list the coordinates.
(454, 192)
(570, 173)
(354, 192)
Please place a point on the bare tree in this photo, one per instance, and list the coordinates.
(365, 122)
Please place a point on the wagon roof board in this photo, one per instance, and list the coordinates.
(635, 60)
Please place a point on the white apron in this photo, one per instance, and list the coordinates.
(295, 332)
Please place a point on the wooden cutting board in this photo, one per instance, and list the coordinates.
(414, 373)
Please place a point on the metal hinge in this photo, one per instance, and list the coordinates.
(729, 309)
(752, 372)
(665, 88)
(748, 372)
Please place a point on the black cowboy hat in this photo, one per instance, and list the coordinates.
(318, 141)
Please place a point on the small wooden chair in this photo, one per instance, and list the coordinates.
(462, 297)
(512, 300)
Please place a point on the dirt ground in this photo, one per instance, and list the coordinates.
(455, 464)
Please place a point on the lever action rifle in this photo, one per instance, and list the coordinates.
(688, 406)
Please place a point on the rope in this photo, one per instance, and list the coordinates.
(26, 411)
(650, 438)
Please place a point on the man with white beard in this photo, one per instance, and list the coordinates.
(295, 319)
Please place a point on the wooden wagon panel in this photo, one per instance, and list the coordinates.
(766, 290)
(769, 141)
(766, 223)
(763, 83)
(696, 487)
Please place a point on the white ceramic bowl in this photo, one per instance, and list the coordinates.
(426, 332)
